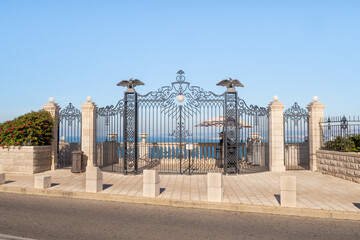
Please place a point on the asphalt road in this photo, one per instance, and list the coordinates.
(61, 218)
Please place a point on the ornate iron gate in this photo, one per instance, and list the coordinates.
(296, 132)
(182, 129)
(177, 126)
(69, 134)
(253, 141)
(109, 137)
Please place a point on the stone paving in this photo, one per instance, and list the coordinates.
(314, 190)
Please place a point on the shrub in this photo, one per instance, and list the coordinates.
(31, 129)
(351, 143)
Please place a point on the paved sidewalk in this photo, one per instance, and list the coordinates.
(314, 190)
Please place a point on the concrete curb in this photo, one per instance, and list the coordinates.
(301, 212)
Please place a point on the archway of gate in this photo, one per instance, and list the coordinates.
(182, 129)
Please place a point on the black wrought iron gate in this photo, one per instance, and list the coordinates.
(69, 134)
(182, 129)
(178, 129)
(296, 133)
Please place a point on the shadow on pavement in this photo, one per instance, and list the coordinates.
(105, 186)
(277, 196)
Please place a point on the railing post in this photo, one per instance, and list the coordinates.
(54, 109)
(276, 135)
(230, 130)
(316, 115)
(130, 130)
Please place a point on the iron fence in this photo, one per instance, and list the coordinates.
(69, 134)
(341, 134)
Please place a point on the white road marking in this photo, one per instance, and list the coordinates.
(9, 237)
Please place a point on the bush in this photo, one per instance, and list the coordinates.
(31, 129)
(351, 143)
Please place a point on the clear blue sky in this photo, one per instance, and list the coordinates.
(73, 49)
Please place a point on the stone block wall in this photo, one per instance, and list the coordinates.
(344, 165)
(25, 159)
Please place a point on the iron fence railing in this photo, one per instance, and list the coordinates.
(341, 134)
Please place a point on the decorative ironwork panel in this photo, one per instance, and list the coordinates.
(110, 111)
(69, 134)
(231, 132)
(130, 133)
(344, 123)
(296, 131)
(296, 114)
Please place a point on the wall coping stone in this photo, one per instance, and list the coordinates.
(349, 154)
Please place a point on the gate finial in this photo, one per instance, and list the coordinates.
(230, 84)
(180, 76)
(130, 84)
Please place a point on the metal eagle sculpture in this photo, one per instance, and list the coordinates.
(130, 84)
(230, 84)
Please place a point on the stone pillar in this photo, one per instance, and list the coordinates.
(54, 109)
(94, 180)
(215, 187)
(276, 136)
(288, 191)
(316, 115)
(88, 132)
(151, 183)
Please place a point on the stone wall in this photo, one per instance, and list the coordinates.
(344, 165)
(25, 159)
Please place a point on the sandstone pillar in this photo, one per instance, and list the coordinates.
(276, 136)
(88, 132)
(54, 109)
(316, 115)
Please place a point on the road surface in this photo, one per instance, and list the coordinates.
(41, 217)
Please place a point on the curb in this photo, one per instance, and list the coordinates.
(300, 212)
